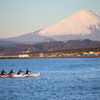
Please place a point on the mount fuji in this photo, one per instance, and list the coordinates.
(84, 24)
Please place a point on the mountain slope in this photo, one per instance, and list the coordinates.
(28, 38)
(81, 24)
(78, 23)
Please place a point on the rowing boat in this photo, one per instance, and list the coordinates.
(21, 75)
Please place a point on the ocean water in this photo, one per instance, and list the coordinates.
(60, 79)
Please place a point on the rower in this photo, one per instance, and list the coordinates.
(11, 72)
(19, 72)
(27, 71)
(3, 72)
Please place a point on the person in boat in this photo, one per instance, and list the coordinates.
(19, 72)
(11, 72)
(3, 72)
(27, 71)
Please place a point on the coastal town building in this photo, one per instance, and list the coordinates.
(41, 54)
(23, 55)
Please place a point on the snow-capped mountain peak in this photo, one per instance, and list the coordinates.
(82, 22)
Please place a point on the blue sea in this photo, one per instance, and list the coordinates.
(60, 79)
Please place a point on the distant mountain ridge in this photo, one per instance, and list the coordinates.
(6, 43)
(53, 45)
(84, 24)
(30, 37)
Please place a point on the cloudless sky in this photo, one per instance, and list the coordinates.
(18, 17)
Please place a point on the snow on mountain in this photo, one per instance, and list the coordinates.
(83, 22)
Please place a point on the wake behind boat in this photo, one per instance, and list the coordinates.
(21, 75)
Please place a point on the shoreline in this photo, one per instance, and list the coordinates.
(50, 57)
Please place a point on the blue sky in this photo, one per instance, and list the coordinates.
(18, 17)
